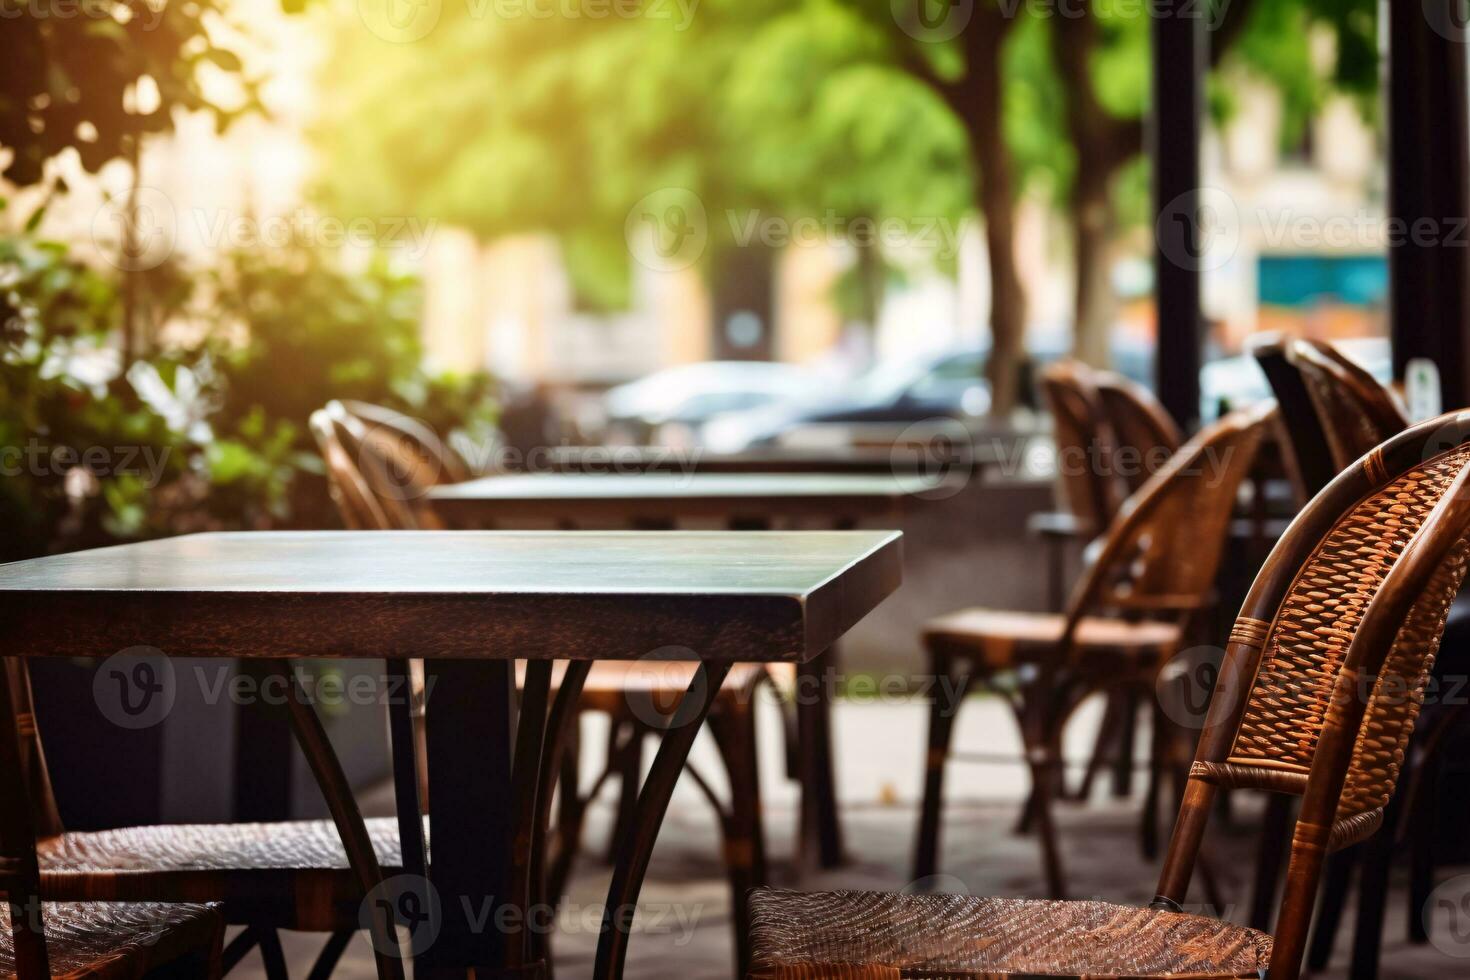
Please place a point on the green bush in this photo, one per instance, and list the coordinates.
(210, 435)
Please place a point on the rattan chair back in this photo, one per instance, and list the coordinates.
(1086, 486)
(1145, 434)
(1325, 669)
(356, 503)
(1162, 551)
(1355, 411)
(411, 441)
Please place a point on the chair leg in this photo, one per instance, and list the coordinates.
(1127, 737)
(1160, 739)
(332, 950)
(733, 726)
(1336, 881)
(1045, 760)
(1107, 733)
(1275, 833)
(941, 731)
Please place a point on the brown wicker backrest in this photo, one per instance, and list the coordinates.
(355, 500)
(1163, 549)
(1308, 459)
(1145, 434)
(399, 475)
(1356, 412)
(1085, 484)
(411, 441)
(1325, 668)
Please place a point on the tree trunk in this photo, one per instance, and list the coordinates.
(981, 108)
(1093, 301)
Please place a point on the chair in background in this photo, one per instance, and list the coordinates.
(1349, 413)
(40, 940)
(1310, 703)
(632, 694)
(1141, 427)
(1136, 603)
(1144, 437)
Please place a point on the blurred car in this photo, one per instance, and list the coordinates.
(689, 395)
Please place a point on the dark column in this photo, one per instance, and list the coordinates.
(1178, 86)
(1429, 191)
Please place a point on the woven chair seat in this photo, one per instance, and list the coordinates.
(293, 873)
(1001, 638)
(884, 936)
(115, 940)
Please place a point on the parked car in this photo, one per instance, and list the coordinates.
(690, 395)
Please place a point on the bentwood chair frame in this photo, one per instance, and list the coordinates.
(606, 688)
(1144, 438)
(97, 939)
(1351, 412)
(1319, 690)
(1155, 564)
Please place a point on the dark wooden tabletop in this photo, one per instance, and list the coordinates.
(757, 596)
(556, 496)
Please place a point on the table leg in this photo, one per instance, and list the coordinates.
(820, 829)
(653, 802)
(468, 725)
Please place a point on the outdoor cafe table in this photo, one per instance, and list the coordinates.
(660, 499)
(470, 604)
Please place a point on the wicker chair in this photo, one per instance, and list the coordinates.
(1140, 425)
(609, 688)
(1322, 681)
(1356, 412)
(265, 876)
(101, 940)
(1140, 598)
(1145, 437)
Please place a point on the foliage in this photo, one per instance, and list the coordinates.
(210, 436)
(97, 75)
